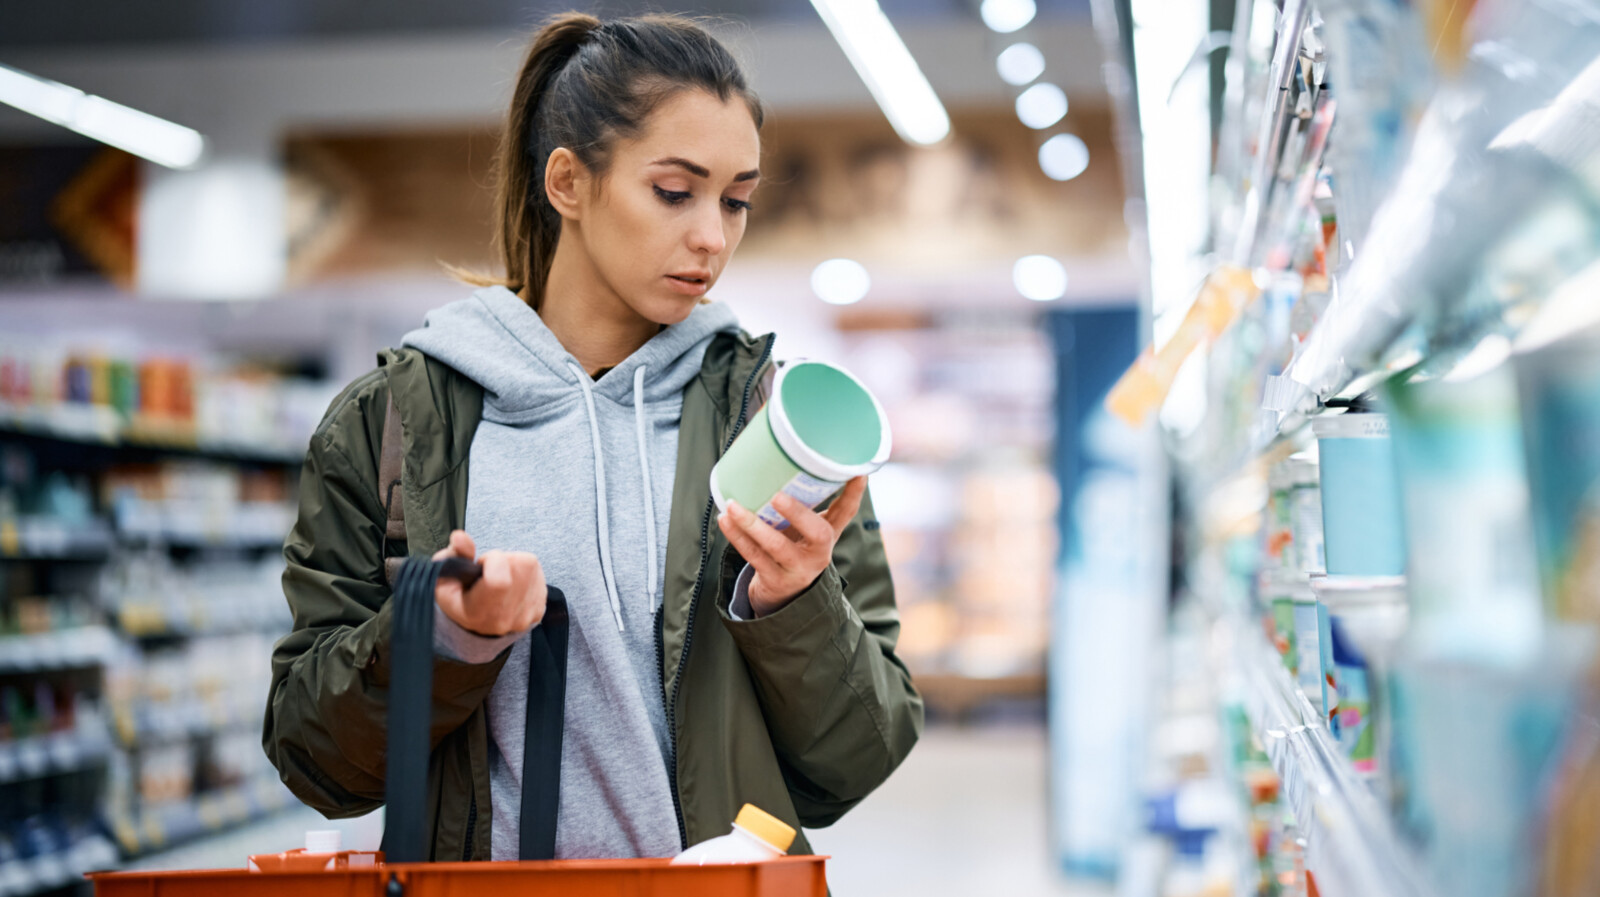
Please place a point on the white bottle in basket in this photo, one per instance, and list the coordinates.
(756, 836)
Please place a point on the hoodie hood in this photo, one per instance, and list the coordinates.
(534, 387)
(498, 341)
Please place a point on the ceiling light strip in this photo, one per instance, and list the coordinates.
(881, 59)
(140, 133)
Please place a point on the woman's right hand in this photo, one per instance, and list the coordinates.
(509, 598)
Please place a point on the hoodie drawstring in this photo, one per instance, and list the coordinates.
(603, 516)
(600, 494)
(649, 490)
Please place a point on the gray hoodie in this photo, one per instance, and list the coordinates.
(579, 472)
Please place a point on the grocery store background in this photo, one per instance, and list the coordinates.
(1186, 621)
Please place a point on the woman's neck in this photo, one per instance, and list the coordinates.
(588, 318)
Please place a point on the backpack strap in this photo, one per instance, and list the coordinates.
(390, 474)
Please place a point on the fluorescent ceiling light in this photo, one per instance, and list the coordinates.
(1041, 105)
(840, 282)
(1006, 16)
(140, 133)
(1039, 277)
(1020, 63)
(884, 63)
(1064, 157)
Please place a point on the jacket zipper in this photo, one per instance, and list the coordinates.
(694, 602)
(472, 826)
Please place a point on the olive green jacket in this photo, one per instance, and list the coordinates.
(802, 712)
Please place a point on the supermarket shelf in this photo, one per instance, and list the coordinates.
(181, 539)
(102, 427)
(32, 540)
(64, 649)
(20, 878)
(157, 829)
(146, 728)
(55, 754)
(1351, 845)
(196, 525)
(158, 622)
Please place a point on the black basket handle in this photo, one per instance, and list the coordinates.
(406, 837)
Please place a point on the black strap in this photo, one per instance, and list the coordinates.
(541, 738)
(405, 837)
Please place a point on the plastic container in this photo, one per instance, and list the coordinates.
(1294, 535)
(323, 851)
(1308, 554)
(1367, 619)
(1361, 523)
(1308, 640)
(1470, 557)
(756, 836)
(820, 429)
(1558, 383)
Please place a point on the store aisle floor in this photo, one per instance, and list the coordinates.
(964, 816)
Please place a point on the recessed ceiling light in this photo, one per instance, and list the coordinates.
(1006, 16)
(840, 281)
(1064, 157)
(1039, 277)
(1042, 105)
(1020, 63)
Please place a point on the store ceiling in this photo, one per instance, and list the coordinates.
(113, 23)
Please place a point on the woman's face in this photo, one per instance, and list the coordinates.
(664, 221)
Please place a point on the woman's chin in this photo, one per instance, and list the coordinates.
(670, 310)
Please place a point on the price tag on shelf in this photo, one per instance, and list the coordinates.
(211, 813)
(236, 806)
(155, 833)
(126, 833)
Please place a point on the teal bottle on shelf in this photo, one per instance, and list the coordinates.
(1361, 523)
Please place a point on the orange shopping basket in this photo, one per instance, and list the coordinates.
(411, 687)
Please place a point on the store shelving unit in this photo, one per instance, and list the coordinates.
(83, 427)
(1351, 845)
(168, 570)
(1394, 217)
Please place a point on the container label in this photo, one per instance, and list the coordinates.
(805, 489)
(1308, 641)
(1356, 737)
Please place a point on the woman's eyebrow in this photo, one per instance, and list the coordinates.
(700, 171)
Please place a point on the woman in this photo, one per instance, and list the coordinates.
(567, 418)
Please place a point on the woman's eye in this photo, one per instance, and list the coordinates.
(672, 197)
(737, 205)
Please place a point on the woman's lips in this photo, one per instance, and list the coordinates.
(687, 286)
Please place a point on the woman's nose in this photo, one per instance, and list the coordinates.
(707, 233)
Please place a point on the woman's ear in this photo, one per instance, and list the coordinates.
(565, 181)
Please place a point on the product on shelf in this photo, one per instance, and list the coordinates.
(1480, 744)
(1557, 367)
(1472, 576)
(149, 594)
(157, 399)
(199, 503)
(1361, 522)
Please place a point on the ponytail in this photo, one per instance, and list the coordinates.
(583, 85)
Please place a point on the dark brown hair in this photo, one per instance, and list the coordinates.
(583, 85)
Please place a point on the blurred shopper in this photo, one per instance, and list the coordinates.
(567, 417)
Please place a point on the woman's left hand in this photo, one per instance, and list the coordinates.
(788, 561)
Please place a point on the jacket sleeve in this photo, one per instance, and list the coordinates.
(839, 704)
(327, 710)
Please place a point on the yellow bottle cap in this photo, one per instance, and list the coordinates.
(765, 826)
